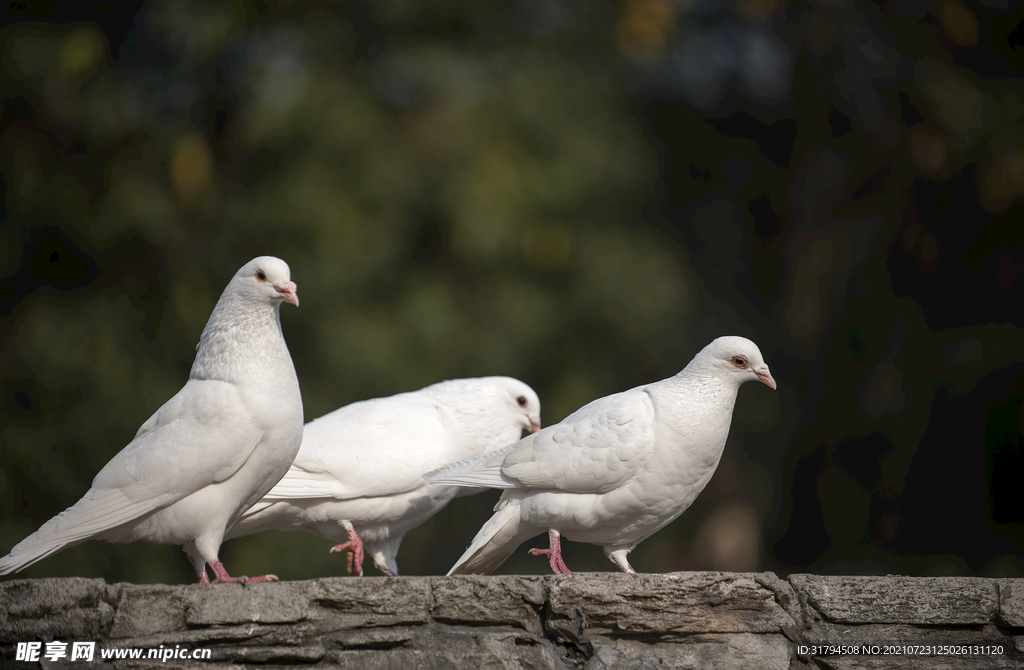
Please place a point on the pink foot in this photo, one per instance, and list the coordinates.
(224, 578)
(554, 554)
(354, 561)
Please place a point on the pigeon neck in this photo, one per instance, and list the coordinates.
(243, 344)
(698, 412)
(704, 382)
(709, 400)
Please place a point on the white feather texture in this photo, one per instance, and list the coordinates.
(618, 469)
(361, 467)
(208, 453)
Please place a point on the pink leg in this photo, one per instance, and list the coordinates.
(224, 578)
(354, 560)
(554, 554)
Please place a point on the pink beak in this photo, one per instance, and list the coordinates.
(288, 289)
(765, 376)
(534, 426)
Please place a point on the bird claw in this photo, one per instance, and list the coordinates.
(354, 560)
(261, 579)
(224, 578)
(231, 580)
(554, 560)
(554, 554)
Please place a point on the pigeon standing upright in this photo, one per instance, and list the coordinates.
(615, 471)
(211, 451)
(358, 477)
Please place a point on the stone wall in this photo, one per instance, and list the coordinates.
(585, 620)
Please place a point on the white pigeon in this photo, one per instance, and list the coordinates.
(615, 471)
(211, 451)
(358, 477)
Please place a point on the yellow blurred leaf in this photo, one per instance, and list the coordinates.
(644, 28)
(960, 24)
(191, 166)
(81, 52)
(959, 105)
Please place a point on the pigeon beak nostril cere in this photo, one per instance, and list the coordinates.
(766, 377)
(288, 291)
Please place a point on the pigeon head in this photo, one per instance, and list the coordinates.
(522, 401)
(267, 278)
(737, 358)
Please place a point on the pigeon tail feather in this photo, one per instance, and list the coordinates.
(481, 471)
(496, 541)
(97, 512)
(492, 479)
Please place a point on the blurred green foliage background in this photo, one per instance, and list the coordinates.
(577, 194)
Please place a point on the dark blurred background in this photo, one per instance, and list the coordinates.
(578, 194)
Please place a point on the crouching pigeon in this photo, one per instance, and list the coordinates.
(615, 471)
(211, 451)
(358, 478)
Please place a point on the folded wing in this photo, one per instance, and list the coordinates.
(371, 448)
(596, 449)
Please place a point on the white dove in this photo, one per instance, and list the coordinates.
(359, 473)
(211, 451)
(615, 471)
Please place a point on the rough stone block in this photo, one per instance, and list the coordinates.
(739, 651)
(1011, 602)
(683, 602)
(501, 600)
(908, 600)
(371, 601)
(148, 610)
(51, 608)
(455, 647)
(273, 602)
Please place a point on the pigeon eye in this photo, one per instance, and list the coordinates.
(739, 361)
(521, 400)
(261, 275)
